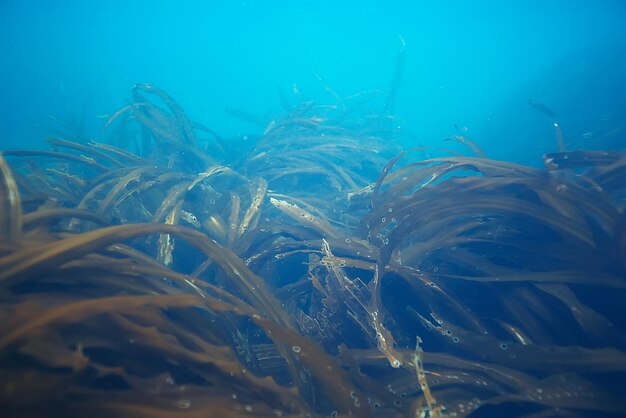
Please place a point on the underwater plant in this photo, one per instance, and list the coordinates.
(295, 279)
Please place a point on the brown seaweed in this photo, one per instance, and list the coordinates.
(560, 142)
(10, 206)
(296, 278)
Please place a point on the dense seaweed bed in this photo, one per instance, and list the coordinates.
(314, 270)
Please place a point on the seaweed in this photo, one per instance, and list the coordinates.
(296, 278)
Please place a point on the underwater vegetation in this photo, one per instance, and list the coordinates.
(315, 270)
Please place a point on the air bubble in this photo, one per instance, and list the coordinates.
(296, 349)
(504, 346)
(183, 404)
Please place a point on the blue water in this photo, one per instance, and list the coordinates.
(474, 64)
(470, 68)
